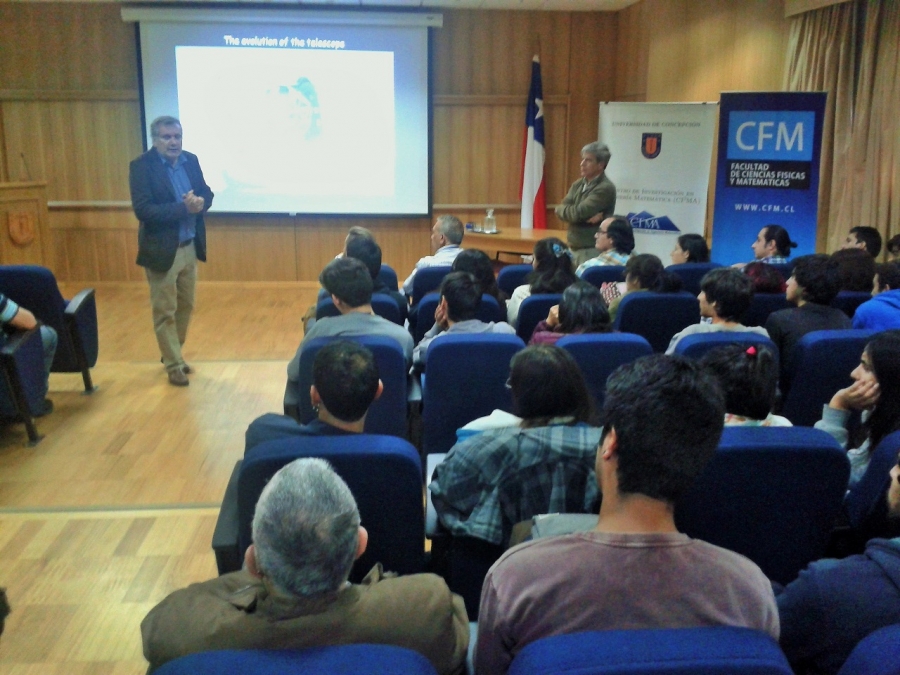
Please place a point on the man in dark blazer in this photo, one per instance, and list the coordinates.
(169, 198)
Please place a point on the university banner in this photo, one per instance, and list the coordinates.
(767, 171)
(661, 158)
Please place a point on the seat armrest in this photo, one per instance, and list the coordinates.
(81, 323)
(432, 524)
(225, 536)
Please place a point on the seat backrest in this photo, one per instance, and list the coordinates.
(823, 361)
(34, 288)
(383, 305)
(691, 274)
(601, 274)
(427, 279)
(877, 654)
(696, 346)
(533, 310)
(22, 374)
(331, 660)
(488, 310)
(865, 502)
(388, 276)
(719, 650)
(372, 466)
(599, 354)
(387, 415)
(771, 494)
(762, 305)
(465, 378)
(657, 316)
(513, 276)
(848, 301)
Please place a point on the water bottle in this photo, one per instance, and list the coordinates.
(490, 223)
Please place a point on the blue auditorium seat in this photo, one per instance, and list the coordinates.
(331, 660)
(716, 650)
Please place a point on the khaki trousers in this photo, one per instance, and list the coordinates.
(172, 299)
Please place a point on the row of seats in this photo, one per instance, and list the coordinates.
(21, 359)
(723, 650)
(771, 494)
(823, 365)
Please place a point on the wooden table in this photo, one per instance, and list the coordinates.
(509, 240)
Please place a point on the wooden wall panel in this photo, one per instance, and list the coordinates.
(721, 45)
(66, 47)
(632, 53)
(80, 148)
(259, 252)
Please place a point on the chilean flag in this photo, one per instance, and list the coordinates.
(534, 202)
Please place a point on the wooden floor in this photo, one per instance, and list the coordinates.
(116, 506)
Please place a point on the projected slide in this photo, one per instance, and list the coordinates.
(276, 129)
(294, 111)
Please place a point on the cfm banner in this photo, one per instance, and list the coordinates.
(661, 156)
(768, 170)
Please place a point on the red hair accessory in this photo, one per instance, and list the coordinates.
(751, 350)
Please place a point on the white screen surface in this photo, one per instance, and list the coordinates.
(290, 112)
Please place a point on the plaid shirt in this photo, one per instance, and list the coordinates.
(775, 260)
(492, 481)
(610, 257)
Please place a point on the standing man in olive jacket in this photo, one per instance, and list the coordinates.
(591, 199)
(169, 198)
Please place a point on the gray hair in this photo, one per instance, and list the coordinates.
(598, 150)
(164, 121)
(306, 528)
(452, 228)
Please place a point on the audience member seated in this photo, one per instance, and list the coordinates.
(863, 237)
(834, 604)
(765, 278)
(690, 248)
(13, 317)
(773, 245)
(635, 570)
(345, 384)
(856, 269)
(893, 249)
(813, 285)
(494, 479)
(293, 592)
(644, 272)
(581, 310)
(366, 250)
(725, 295)
(446, 236)
(478, 264)
(749, 380)
(350, 285)
(882, 312)
(876, 393)
(553, 273)
(456, 312)
(615, 242)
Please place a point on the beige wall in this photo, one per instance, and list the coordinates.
(68, 103)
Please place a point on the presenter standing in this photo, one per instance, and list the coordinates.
(591, 199)
(169, 198)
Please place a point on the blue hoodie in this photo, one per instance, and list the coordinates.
(880, 313)
(834, 604)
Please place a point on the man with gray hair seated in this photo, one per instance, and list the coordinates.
(591, 199)
(293, 592)
(446, 236)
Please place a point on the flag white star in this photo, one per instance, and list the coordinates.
(540, 107)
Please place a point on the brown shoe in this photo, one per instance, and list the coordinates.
(178, 378)
(186, 369)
